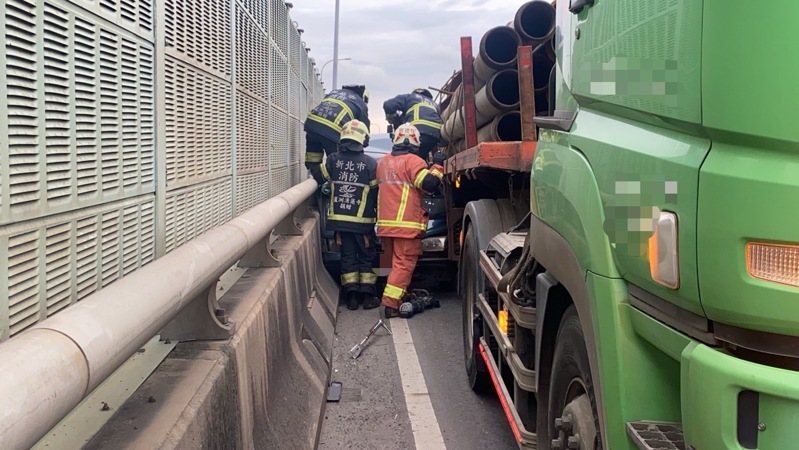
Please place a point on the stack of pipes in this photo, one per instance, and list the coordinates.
(496, 78)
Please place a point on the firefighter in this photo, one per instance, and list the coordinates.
(323, 124)
(418, 109)
(401, 218)
(352, 213)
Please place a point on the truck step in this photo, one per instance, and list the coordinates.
(525, 377)
(656, 435)
(526, 439)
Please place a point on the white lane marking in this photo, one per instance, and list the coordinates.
(426, 432)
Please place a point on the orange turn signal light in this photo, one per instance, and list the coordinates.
(778, 263)
(664, 262)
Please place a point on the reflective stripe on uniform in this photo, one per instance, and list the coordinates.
(336, 124)
(403, 202)
(415, 109)
(393, 292)
(420, 177)
(324, 122)
(402, 224)
(325, 173)
(362, 207)
(345, 109)
(313, 157)
(374, 182)
(368, 278)
(341, 116)
(429, 123)
(349, 278)
(344, 218)
(417, 120)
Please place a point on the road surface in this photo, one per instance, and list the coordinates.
(387, 404)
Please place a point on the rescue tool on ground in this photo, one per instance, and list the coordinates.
(358, 348)
(417, 301)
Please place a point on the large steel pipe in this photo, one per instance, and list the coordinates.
(500, 94)
(49, 369)
(505, 127)
(498, 50)
(535, 22)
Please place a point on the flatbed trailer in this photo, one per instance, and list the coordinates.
(490, 180)
(493, 164)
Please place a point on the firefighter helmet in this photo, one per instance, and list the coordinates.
(423, 92)
(354, 130)
(406, 135)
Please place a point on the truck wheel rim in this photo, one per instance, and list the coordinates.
(576, 428)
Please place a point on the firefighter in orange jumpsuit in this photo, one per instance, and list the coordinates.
(401, 218)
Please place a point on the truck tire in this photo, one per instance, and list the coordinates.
(572, 404)
(471, 282)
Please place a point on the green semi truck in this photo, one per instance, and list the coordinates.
(649, 297)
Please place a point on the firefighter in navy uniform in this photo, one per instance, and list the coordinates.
(418, 109)
(352, 213)
(323, 124)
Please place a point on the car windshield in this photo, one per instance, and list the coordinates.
(379, 145)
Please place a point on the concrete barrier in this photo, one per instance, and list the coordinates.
(264, 387)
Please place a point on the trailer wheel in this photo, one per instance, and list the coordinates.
(470, 284)
(574, 423)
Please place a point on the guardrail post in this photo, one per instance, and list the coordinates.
(260, 255)
(288, 226)
(202, 319)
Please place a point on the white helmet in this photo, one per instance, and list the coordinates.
(407, 135)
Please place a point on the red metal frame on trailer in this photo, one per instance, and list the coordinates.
(514, 156)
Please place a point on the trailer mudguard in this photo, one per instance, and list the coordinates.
(493, 216)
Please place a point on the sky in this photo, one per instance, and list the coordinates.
(395, 46)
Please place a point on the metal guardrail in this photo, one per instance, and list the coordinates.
(50, 368)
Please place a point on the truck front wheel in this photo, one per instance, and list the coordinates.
(572, 404)
(471, 283)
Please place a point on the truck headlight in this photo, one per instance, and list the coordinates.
(434, 244)
(778, 263)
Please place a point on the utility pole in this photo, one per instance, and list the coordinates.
(335, 50)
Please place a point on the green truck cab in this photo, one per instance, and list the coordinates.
(660, 264)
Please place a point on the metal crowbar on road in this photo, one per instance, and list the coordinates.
(355, 351)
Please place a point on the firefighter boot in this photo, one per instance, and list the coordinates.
(370, 301)
(353, 300)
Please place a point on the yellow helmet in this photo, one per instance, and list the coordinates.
(407, 135)
(354, 130)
